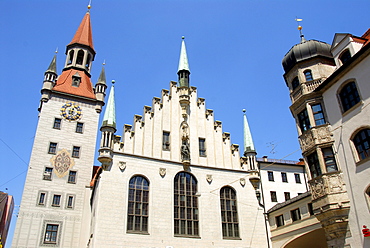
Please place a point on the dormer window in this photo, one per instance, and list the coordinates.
(308, 75)
(345, 56)
(295, 83)
(76, 80)
(70, 57)
(80, 57)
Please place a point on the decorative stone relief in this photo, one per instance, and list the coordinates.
(122, 165)
(62, 162)
(242, 181)
(327, 184)
(162, 172)
(209, 178)
(306, 141)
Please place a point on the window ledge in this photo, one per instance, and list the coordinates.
(187, 236)
(352, 108)
(137, 232)
(360, 162)
(232, 238)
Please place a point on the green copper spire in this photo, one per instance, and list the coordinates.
(248, 141)
(183, 62)
(110, 111)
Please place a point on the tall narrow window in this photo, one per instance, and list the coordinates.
(70, 57)
(186, 205)
(56, 201)
(295, 83)
(76, 152)
(70, 201)
(349, 96)
(329, 159)
(314, 165)
(80, 57)
(202, 147)
(138, 205)
(345, 56)
(273, 196)
(284, 177)
(297, 178)
(362, 143)
(79, 127)
(270, 175)
(295, 214)
(72, 177)
(287, 196)
(42, 198)
(166, 141)
(308, 75)
(47, 173)
(52, 148)
(229, 213)
(304, 121)
(318, 114)
(57, 123)
(88, 61)
(51, 234)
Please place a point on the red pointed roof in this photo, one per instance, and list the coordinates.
(64, 84)
(84, 32)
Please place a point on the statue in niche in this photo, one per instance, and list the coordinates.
(185, 151)
(185, 130)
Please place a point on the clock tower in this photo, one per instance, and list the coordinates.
(55, 202)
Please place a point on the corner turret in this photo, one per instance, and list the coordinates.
(100, 89)
(49, 79)
(184, 73)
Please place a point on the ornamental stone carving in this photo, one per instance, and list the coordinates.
(315, 136)
(62, 162)
(162, 172)
(122, 165)
(209, 178)
(327, 184)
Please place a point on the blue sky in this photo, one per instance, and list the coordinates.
(235, 48)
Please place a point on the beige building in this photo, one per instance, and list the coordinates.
(330, 92)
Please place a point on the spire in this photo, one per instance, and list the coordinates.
(102, 79)
(183, 62)
(248, 141)
(110, 111)
(53, 65)
(83, 35)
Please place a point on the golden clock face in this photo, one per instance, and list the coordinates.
(70, 111)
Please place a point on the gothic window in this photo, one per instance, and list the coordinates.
(304, 121)
(314, 165)
(295, 214)
(318, 114)
(362, 143)
(270, 175)
(51, 234)
(284, 177)
(329, 159)
(308, 75)
(138, 205)
(279, 220)
(72, 177)
(52, 148)
(345, 56)
(349, 96)
(56, 200)
(47, 173)
(295, 83)
(186, 205)
(297, 178)
(273, 196)
(80, 57)
(229, 213)
(76, 152)
(57, 123)
(287, 196)
(70, 57)
(166, 141)
(202, 147)
(79, 127)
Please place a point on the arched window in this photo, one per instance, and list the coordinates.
(138, 205)
(70, 57)
(186, 205)
(88, 61)
(345, 56)
(349, 96)
(362, 143)
(80, 57)
(295, 83)
(229, 213)
(308, 75)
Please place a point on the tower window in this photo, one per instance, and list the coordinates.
(295, 214)
(186, 205)
(295, 83)
(51, 234)
(76, 152)
(345, 56)
(287, 196)
(284, 177)
(42, 198)
(318, 114)
(138, 205)
(297, 178)
(57, 123)
(79, 127)
(349, 96)
(308, 75)
(70, 57)
(270, 175)
(52, 148)
(202, 147)
(273, 196)
(80, 57)
(56, 201)
(47, 173)
(87, 65)
(304, 121)
(362, 143)
(314, 165)
(72, 177)
(166, 141)
(229, 213)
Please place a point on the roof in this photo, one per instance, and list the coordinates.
(83, 34)
(288, 202)
(110, 111)
(183, 62)
(64, 84)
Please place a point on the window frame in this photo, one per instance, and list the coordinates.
(284, 177)
(56, 201)
(304, 120)
(53, 146)
(166, 142)
(270, 176)
(48, 173)
(72, 178)
(297, 178)
(70, 204)
(57, 124)
(229, 213)
(76, 151)
(42, 198)
(295, 83)
(308, 75)
(279, 220)
(318, 115)
(56, 241)
(313, 163)
(361, 143)
(327, 157)
(79, 127)
(273, 196)
(287, 196)
(53, 236)
(295, 214)
(345, 56)
(202, 147)
(345, 103)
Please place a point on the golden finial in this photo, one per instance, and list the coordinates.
(89, 6)
(113, 81)
(300, 29)
(56, 50)
(183, 37)
(104, 62)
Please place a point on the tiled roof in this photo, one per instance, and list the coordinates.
(64, 84)
(83, 34)
(290, 201)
